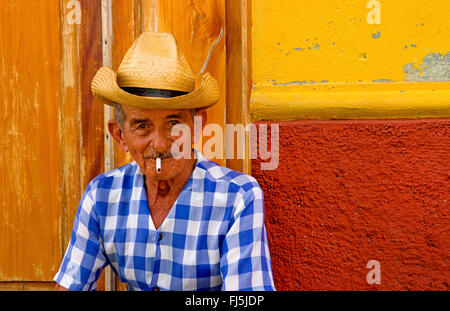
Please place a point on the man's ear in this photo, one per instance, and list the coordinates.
(115, 130)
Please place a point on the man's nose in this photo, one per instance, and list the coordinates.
(160, 141)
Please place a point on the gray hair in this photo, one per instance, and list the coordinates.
(120, 116)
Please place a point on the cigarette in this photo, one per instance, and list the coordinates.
(158, 165)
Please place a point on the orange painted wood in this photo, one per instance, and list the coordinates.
(92, 130)
(72, 187)
(30, 156)
(92, 111)
(81, 117)
(126, 28)
(27, 286)
(238, 74)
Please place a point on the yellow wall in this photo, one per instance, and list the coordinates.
(326, 56)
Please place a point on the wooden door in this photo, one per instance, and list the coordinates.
(51, 137)
(52, 134)
(30, 212)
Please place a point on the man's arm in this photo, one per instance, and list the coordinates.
(245, 260)
(84, 258)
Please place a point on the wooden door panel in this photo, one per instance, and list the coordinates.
(30, 157)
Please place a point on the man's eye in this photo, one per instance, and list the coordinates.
(174, 122)
(142, 126)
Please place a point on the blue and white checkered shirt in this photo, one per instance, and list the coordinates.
(212, 239)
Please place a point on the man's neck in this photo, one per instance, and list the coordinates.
(162, 194)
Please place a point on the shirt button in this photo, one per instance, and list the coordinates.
(156, 289)
(160, 237)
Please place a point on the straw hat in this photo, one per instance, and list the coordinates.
(155, 62)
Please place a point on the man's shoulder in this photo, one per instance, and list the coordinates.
(213, 172)
(106, 179)
(230, 187)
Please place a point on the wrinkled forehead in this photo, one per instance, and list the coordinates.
(156, 114)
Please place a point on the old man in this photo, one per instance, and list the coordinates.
(164, 222)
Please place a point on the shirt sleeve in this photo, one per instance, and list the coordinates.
(84, 259)
(245, 259)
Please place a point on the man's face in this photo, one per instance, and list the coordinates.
(146, 134)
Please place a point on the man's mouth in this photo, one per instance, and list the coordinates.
(156, 155)
(152, 158)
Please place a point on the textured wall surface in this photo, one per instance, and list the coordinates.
(347, 192)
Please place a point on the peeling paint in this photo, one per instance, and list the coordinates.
(294, 83)
(434, 68)
(376, 35)
(382, 80)
(298, 83)
(301, 49)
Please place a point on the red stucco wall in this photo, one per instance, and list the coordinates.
(346, 192)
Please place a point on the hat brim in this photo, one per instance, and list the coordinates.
(105, 88)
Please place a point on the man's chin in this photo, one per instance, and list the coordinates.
(161, 176)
